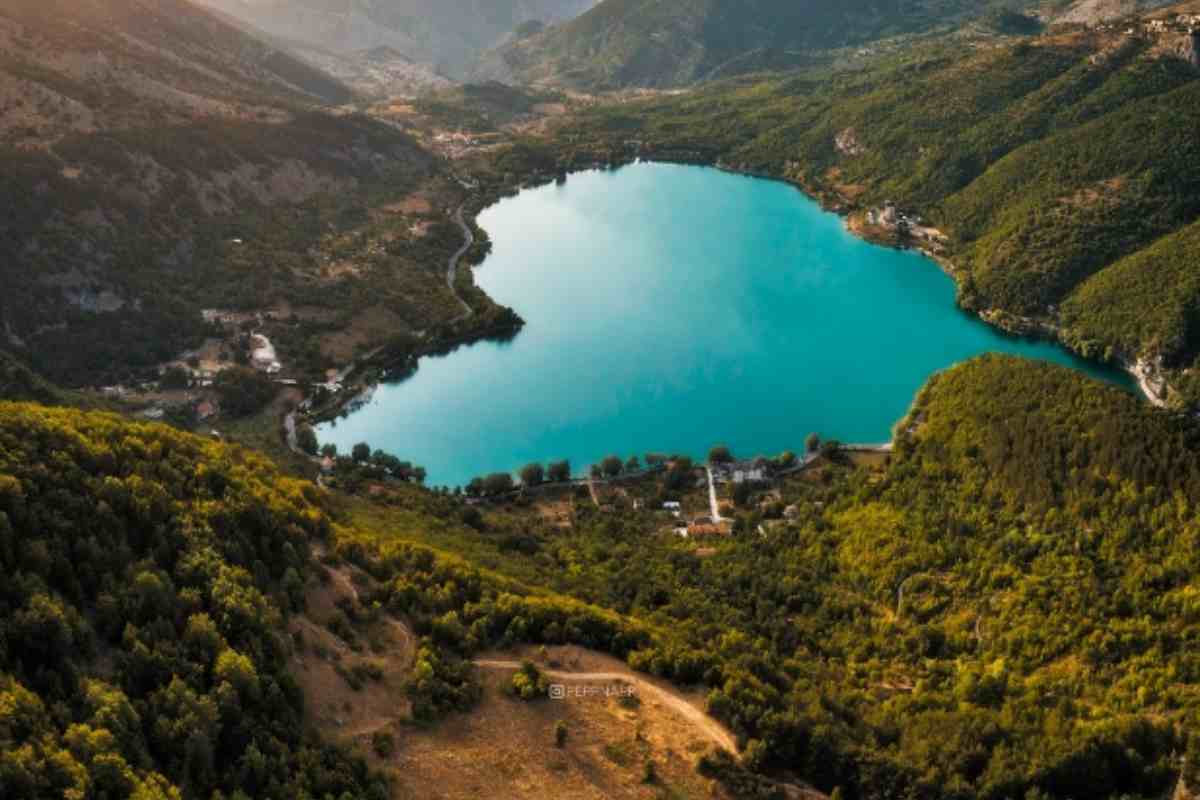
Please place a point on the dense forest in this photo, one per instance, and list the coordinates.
(1005, 609)
(141, 653)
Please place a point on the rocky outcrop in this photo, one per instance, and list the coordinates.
(847, 143)
(1149, 375)
(1189, 48)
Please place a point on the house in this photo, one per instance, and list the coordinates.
(674, 507)
(750, 475)
(327, 464)
(705, 529)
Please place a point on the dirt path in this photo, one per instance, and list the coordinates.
(452, 272)
(711, 728)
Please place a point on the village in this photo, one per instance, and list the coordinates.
(188, 390)
(676, 496)
(1161, 26)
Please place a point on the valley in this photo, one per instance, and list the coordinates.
(404, 399)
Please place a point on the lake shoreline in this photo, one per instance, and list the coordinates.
(595, 180)
(1142, 372)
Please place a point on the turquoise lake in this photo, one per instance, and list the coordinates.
(669, 308)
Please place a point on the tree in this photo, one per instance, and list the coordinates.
(528, 683)
(649, 772)
(306, 440)
(361, 453)
(680, 474)
(329, 450)
(243, 391)
(560, 733)
(720, 455)
(472, 518)
(612, 466)
(813, 443)
(831, 448)
(498, 483)
(532, 475)
(655, 459)
(632, 465)
(559, 471)
(175, 378)
(741, 494)
(786, 459)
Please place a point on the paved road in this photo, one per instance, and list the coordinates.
(452, 272)
(712, 496)
(711, 728)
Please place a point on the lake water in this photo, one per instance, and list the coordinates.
(669, 308)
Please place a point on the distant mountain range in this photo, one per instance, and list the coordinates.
(449, 34)
(675, 42)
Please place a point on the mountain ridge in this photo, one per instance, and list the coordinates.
(665, 43)
(447, 34)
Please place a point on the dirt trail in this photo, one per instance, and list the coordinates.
(711, 728)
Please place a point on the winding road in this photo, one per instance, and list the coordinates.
(711, 728)
(452, 272)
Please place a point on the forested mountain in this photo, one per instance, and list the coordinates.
(146, 575)
(1005, 609)
(449, 34)
(674, 42)
(159, 161)
(1062, 168)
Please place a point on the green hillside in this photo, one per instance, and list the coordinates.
(1007, 607)
(147, 183)
(1045, 162)
(675, 42)
(146, 575)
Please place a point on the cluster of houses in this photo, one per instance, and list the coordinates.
(458, 144)
(1179, 23)
(695, 527)
(890, 217)
(1183, 23)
